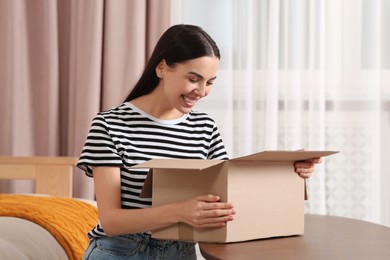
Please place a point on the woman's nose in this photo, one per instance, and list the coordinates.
(202, 90)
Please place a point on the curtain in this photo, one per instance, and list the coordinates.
(306, 74)
(61, 62)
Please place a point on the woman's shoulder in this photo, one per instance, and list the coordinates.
(118, 110)
(197, 113)
(200, 116)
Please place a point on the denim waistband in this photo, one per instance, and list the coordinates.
(139, 246)
(147, 238)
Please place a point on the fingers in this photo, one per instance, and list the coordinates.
(210, 207)
(305, 175)
(209, 212)
(213, 198)
(305, 168)
(316, 160)
(303, 171)
(214, 217)
(208, 198)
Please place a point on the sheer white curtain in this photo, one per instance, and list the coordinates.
(306, 74)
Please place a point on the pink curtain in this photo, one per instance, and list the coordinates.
(61, 62)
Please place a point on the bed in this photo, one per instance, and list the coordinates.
(48, 224)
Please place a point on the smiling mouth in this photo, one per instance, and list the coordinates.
(189, 101)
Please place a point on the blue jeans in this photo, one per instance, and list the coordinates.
(138, 246)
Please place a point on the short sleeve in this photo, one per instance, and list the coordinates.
(99, 148)
(217, 147)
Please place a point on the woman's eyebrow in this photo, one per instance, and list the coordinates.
(200, 76)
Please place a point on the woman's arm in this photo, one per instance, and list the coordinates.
(202, 211)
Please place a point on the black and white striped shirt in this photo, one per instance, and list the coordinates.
(126, 136)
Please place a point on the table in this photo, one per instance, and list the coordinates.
(325, 238)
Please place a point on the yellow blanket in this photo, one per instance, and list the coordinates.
(68, 220)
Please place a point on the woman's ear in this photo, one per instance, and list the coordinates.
(160, 69)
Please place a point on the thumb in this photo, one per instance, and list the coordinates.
(208, 198)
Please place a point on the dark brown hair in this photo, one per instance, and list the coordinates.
(178, 44)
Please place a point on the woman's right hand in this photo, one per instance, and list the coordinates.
(205, 211)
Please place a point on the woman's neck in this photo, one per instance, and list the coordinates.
(156, 106)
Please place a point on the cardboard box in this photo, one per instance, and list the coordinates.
(267, 194)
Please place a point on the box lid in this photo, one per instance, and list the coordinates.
(177, 164)
(278, 156)
(185, 164)
(201, 164)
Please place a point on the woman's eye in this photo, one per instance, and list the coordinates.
(210, 83)
(193, 80)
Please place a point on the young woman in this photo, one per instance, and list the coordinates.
(157, 120)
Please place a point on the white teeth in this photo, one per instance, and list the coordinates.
(188, 100)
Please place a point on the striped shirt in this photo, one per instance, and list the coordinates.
(126, 136)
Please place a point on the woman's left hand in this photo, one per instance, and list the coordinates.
(305, 168)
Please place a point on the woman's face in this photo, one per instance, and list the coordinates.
(186, 83)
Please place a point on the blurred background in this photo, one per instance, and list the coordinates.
(294, 74)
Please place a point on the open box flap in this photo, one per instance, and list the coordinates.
(277, 156)
(146, 191)
(185, 164)
(178, 164)
(200, 164)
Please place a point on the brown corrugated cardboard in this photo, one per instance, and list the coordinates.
(267, 196)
